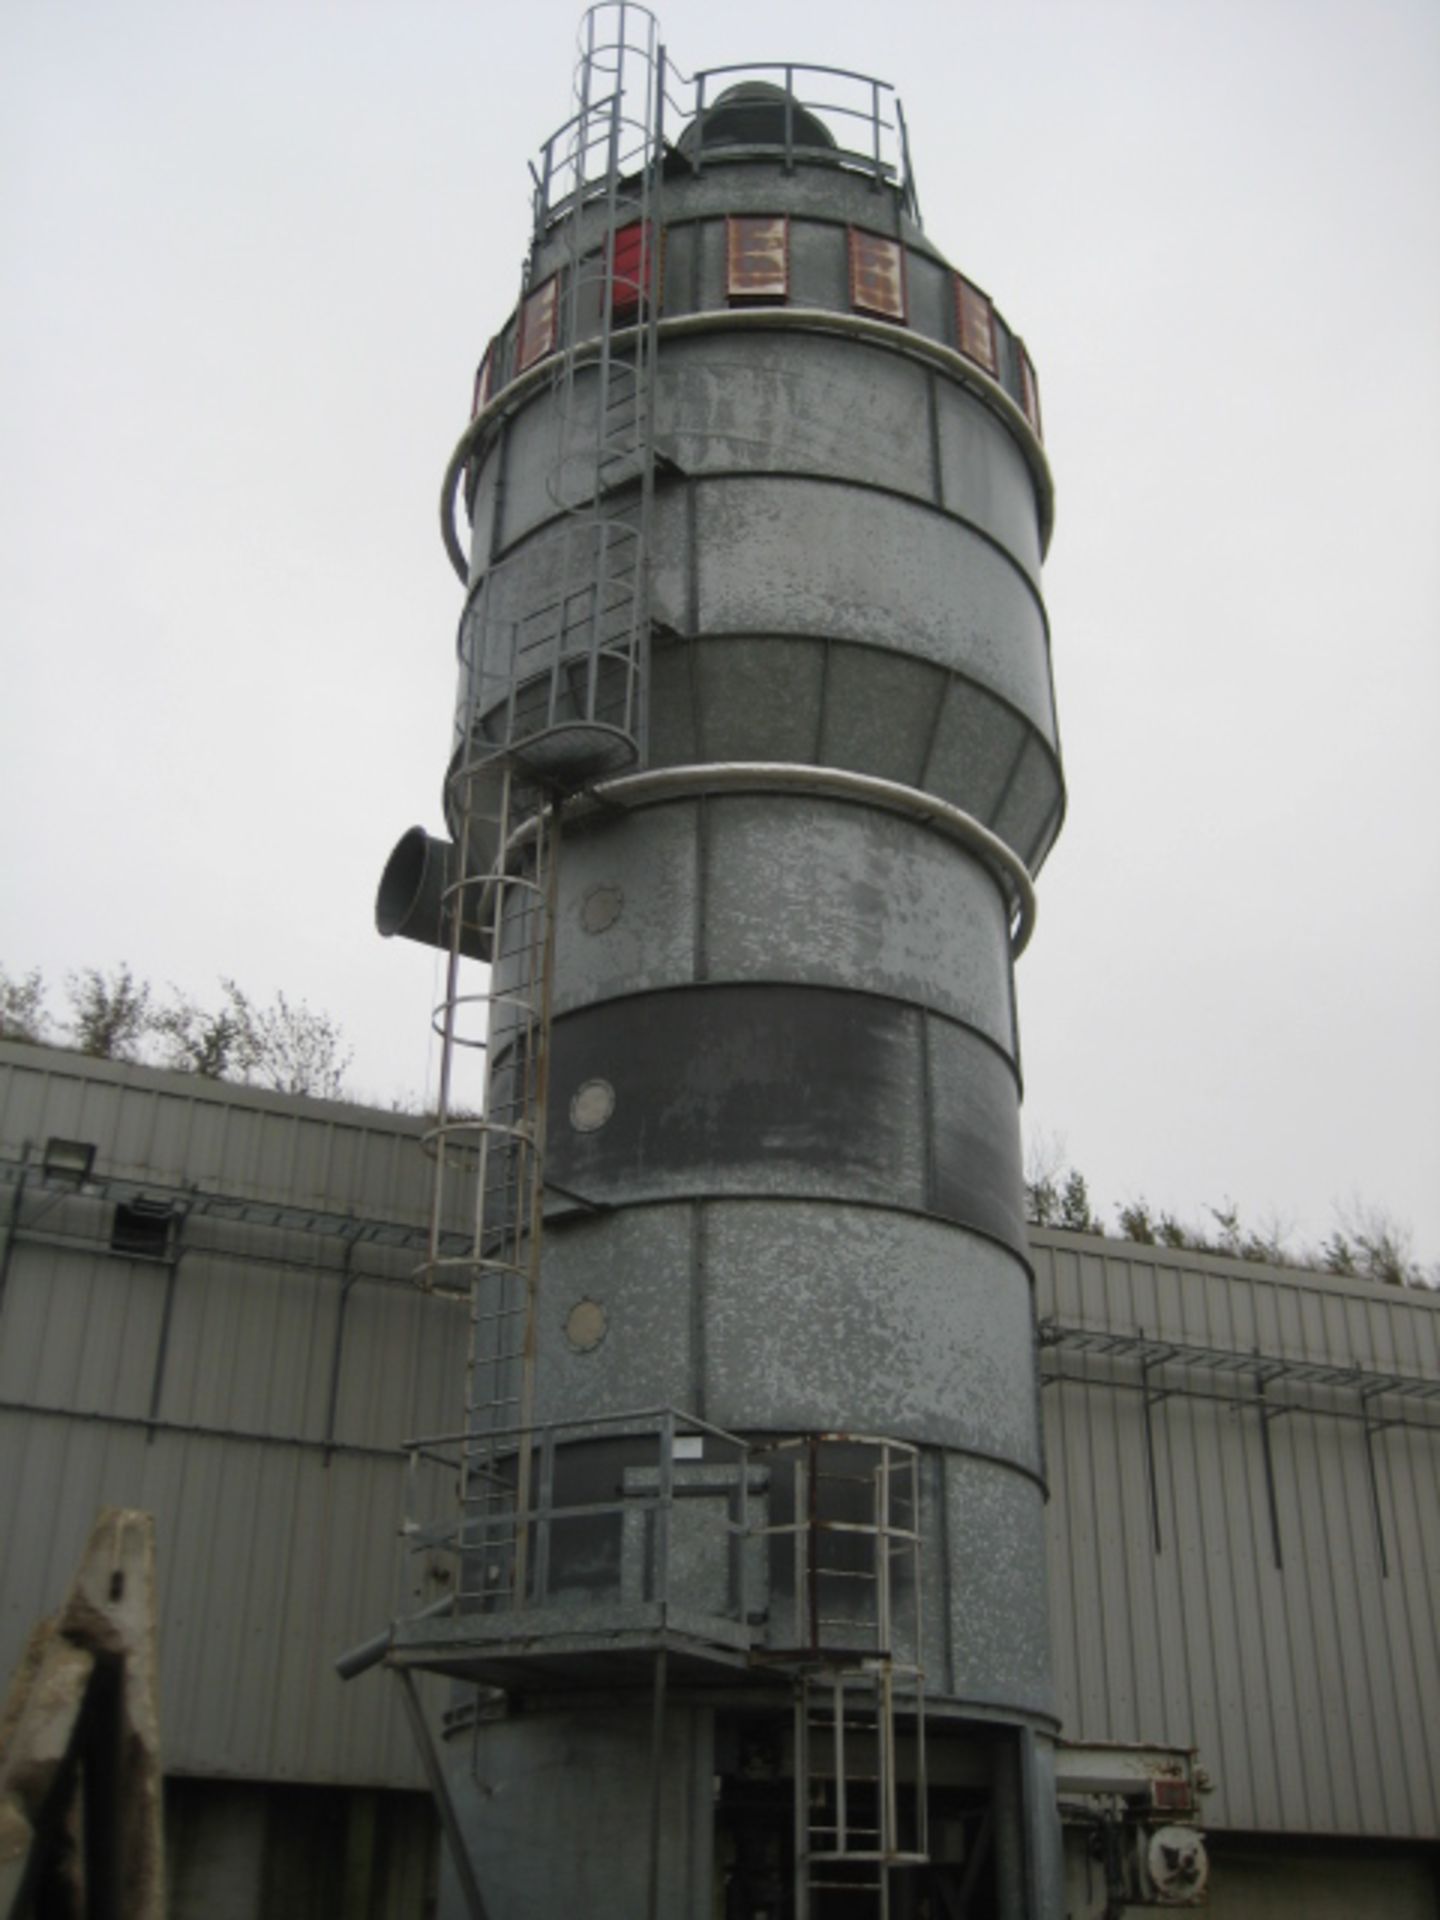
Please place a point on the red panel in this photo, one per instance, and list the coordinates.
(538, 320)
(757, 258)
(1029, 389)
(877, 275)
(634, 269)
(975, 325)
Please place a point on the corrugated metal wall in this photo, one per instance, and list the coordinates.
(178, 1127)
(1311, 1687)
(243, 1392)
(237, 1850)
(1281, 1618)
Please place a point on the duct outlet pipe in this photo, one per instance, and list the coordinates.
(412, 896)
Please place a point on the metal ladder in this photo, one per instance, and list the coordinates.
(846, 1800)
(588, 643)
(857, 1620)
(553, 644)
(497, 1155)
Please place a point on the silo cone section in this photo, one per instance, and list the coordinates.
(554, 1806)
(845, 556)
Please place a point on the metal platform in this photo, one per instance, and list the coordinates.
(555, 1649)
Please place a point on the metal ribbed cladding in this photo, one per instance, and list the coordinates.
(789, 1091)
(664, 783)
(782, 888)
(845, 568)
(906, 1323)
(773, 319)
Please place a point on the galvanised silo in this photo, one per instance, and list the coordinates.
(755, 757)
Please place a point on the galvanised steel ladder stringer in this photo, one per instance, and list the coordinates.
(553, 650)
(570, 684)
(497, 1155)
(855, 1503)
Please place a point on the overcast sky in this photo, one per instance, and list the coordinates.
(250, 255)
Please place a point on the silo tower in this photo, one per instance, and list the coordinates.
(754, 762)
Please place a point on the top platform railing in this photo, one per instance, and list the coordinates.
(861, 118)
(616, 128)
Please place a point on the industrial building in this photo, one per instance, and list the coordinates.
(247, 1366)
(716, 1496)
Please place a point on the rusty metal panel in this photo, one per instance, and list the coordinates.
(1249, 1572)
(975, 325)
(757, 258)
(877, 275)
(539, 322)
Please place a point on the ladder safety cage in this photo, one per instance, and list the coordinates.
(553, 639)
(496, 1155)
(844, 1521)
(848, 1505)
(552, 647)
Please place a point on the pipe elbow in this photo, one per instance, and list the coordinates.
(421, 889)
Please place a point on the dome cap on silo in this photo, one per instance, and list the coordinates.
(754, 114)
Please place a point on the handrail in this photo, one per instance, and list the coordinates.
(689, 100)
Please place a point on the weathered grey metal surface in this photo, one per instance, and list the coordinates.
(1312, 1686)
(1000, 1633)
(788, 1090)
(243, 1393)
(860, 593)
(923, 1329)
(792, 556)
(583, 1776)
(781, 1129)
(781, 402)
